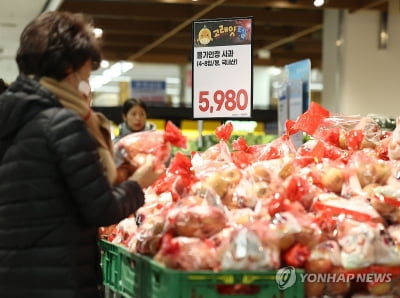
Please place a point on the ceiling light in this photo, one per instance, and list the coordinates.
(319, 3)
(275, 71)
(98, 32)
(263, 54)
(109, 74)
(104, 64)
(125, 66)
(339, 42)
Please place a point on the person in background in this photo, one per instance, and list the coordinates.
(57, 172)
(134, 115)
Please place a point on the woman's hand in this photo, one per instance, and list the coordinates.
(146, 174)
(124, 171)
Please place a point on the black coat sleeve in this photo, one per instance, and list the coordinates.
(75, 152)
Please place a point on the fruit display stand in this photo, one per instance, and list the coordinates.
(137, 276)
(329, 206)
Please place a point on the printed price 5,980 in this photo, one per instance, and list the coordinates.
(228, 100)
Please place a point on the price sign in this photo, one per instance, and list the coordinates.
(222, 74)
(300, 71)
(299, 92)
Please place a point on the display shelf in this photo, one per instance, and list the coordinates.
(178, 114)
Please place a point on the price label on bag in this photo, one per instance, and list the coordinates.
(222, 74)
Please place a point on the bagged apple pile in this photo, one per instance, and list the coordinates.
(331, 205)
(131, 150)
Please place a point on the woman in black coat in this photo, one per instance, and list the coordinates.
(57, 176)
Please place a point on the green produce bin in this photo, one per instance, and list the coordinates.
(137, 276)
(121, 269)
(161, 282)
(131, 274)
(111, 265)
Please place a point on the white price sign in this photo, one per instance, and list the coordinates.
(222, 69)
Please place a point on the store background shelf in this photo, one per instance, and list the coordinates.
(178, 114)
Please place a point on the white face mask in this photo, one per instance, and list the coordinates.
(84, 88)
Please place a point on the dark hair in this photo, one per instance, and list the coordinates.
(131, 102)
(3, 86)
(55, 43)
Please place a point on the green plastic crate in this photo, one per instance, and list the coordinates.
(131, 268)
(161, 282)
(110, 264)
(121, 270)
(137, 276)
